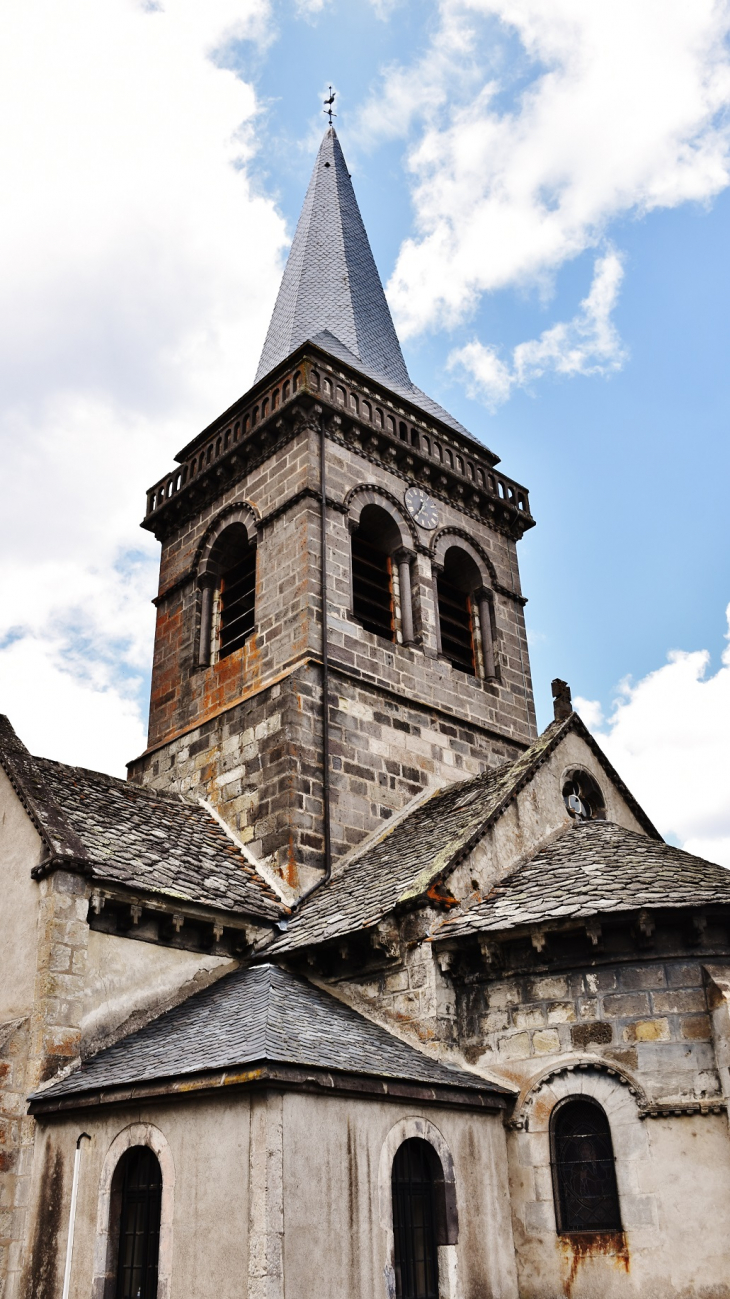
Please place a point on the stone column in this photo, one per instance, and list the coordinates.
(266, 1198)
(207, 583)
(484, 604)
(436, 570)
(403, 560)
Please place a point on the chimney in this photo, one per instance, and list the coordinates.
(562, 705)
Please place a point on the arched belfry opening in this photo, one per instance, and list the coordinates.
(374, 544)
(466, 615)
(228, 615)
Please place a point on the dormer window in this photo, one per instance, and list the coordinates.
(582, 797)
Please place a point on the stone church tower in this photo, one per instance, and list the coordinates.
(425, 660)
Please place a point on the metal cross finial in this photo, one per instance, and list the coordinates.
(328, 105)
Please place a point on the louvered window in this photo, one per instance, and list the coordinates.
(372, 586)
(584, 1170)
(457, 632)
(237, 602)
(139, 1226)
(416, 1171)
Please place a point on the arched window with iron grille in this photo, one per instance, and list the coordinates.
(584, 1168)
(140, 1183)
(419, 1217)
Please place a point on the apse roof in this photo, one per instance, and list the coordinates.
(593, 868)
(260, 1015)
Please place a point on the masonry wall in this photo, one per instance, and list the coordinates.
(246, 732)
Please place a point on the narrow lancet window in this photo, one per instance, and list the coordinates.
(237, 600)
(139, 1224)
(417, 1179)
(466, 619)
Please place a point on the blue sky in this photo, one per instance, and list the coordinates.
(546, 193)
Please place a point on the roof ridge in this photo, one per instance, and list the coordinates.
(54, 828)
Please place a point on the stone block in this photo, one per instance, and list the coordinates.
(548, 989)
(647, 1030)
(528, 1017)
(546, 1042)
(515, 1046)
(625, 1004)
(679, 1002)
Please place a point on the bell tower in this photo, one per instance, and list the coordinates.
(424, 663)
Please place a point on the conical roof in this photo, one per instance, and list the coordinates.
(331, 283)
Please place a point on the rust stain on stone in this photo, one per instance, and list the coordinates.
(580, 1246)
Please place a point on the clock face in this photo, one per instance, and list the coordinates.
(421, 508)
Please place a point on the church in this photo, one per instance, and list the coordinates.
(358, 987)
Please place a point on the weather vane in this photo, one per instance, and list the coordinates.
(328, 105)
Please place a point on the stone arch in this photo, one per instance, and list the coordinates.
(136, 1134)
(242, 513)
(571, 1072)
(370, 494)
(402, 1131)
(623, 1101)
(445, 538)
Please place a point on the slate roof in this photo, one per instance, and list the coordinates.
(331, 293)
(593, 868)
(331, 280)
(408, 859)
(127, 834)
(261, 1014)
(156, 842)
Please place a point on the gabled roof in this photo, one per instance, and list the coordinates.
(593, 868)
(407, 861)
(331, 281)
(261, 1014)
(127, 834)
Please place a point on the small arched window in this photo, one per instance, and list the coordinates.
(584, 1168)
(373, 543)
(139, 1181)
(418, 1219)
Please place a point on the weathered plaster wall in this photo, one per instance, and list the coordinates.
(673, 1178)
(245, 1166)
(336, 1243)
(128, 982)
(20, 851)
(208, 1145)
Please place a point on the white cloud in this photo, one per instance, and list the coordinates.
(588, 344)
(614, 108)
(133, 313)
(669, 738)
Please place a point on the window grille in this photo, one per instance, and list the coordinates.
(237, 603)
(584, 1171)
(416, 1170)
(372, 587)
(457, 632)
(139, 1226)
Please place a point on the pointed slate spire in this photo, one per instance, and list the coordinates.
(331, 283)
